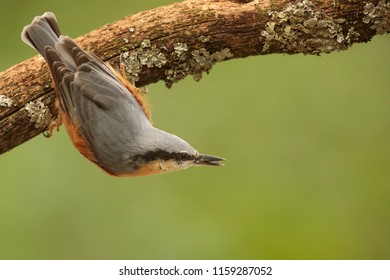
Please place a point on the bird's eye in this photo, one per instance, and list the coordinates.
(182, 156)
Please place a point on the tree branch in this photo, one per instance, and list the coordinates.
(187, 38)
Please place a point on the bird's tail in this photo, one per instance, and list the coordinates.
(42, 32)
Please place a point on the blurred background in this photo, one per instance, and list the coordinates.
(307, 147)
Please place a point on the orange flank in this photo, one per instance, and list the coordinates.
(77, 139)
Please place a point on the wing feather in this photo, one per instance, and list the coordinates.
(89, 93)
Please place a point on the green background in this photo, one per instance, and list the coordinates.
(307, 175)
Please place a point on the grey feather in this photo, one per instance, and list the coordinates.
(106, 114)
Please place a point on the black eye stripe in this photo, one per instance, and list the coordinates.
(163, 155)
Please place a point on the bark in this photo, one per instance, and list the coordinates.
(187, 38)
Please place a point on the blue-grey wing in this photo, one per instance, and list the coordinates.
(92, 97)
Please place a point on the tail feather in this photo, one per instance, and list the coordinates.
(42, 32)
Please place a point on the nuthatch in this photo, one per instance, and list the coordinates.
(104, 115)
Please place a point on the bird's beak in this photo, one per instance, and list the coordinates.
(208, 160)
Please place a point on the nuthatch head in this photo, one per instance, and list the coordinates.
(105, 116)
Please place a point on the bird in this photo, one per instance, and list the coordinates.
(105, 116)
